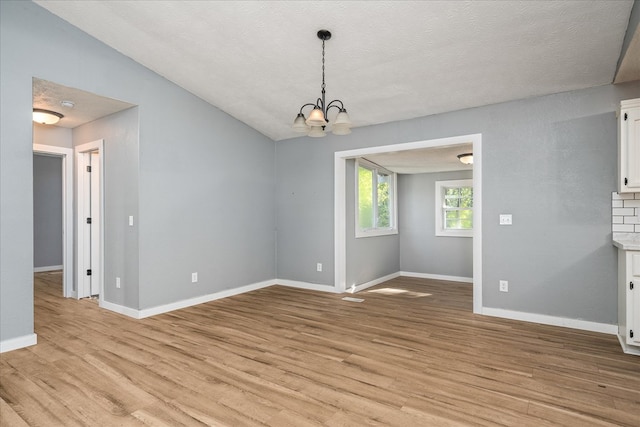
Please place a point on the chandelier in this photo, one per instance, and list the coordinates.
(317, 122)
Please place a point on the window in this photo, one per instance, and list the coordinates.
(375, 200)
(454, 208)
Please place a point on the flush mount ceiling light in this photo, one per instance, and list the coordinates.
(466, 158)
(315, 125)
(46, 117)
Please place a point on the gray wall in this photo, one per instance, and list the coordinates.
(421, 251)
(368, 258)
(205, 181)
(206, 201)
(52, 135)
(550, 161)
(304, 197)
(47, 211)
(120, 177)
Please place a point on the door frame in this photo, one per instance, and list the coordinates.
(66, 154)
(340, 213)
(81, 164)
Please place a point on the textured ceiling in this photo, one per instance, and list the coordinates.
(87, 106)
(388, 60)
(424, 160)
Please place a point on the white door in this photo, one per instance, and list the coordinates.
(633, 299)
(89, 205)
(94, 158)
(84, 232)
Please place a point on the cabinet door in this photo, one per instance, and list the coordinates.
(630, 150)
(633, 300)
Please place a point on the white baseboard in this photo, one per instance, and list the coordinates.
(47, 268)
(628, 349)
(147, 312)
(544, 319)
(437, 277)
(19, 342)
(357, 288)
(305, 285)
(165, 308)
(120, 309)
(202, 299)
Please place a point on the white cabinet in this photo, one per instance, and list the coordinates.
(629, 146)
(629, 300)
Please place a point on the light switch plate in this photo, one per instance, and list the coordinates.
(506, 219)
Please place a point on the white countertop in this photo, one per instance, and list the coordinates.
(627, 241)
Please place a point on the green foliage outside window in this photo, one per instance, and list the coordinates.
(458, 208)
(365, 198)
(375, 198)
(384, 219)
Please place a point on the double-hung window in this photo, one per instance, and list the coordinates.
(375, 200)
(454, 208)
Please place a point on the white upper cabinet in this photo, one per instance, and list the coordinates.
(629, 146)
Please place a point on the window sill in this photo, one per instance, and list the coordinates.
(376, 232)
(456, 233)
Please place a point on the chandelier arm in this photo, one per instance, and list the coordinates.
(331, 104)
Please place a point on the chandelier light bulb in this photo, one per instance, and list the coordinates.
(342, 119)
(316, 132)
(299, 124)
(316, 118)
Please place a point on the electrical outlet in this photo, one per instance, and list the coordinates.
(504, 286)
(130, 220)
(506, 219)
(194, 277)
(319, 266)
(117, 282)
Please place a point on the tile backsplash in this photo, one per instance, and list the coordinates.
(625, 210)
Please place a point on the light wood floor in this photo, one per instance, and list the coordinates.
(412, 354)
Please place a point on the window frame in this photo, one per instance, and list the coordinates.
(439, 208)
(393, 205)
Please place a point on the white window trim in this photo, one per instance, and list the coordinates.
(440, 230)
(374, 232)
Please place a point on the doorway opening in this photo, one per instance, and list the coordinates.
(66, 155)
(340, 201)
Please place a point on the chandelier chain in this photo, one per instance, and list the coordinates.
(323, 85)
